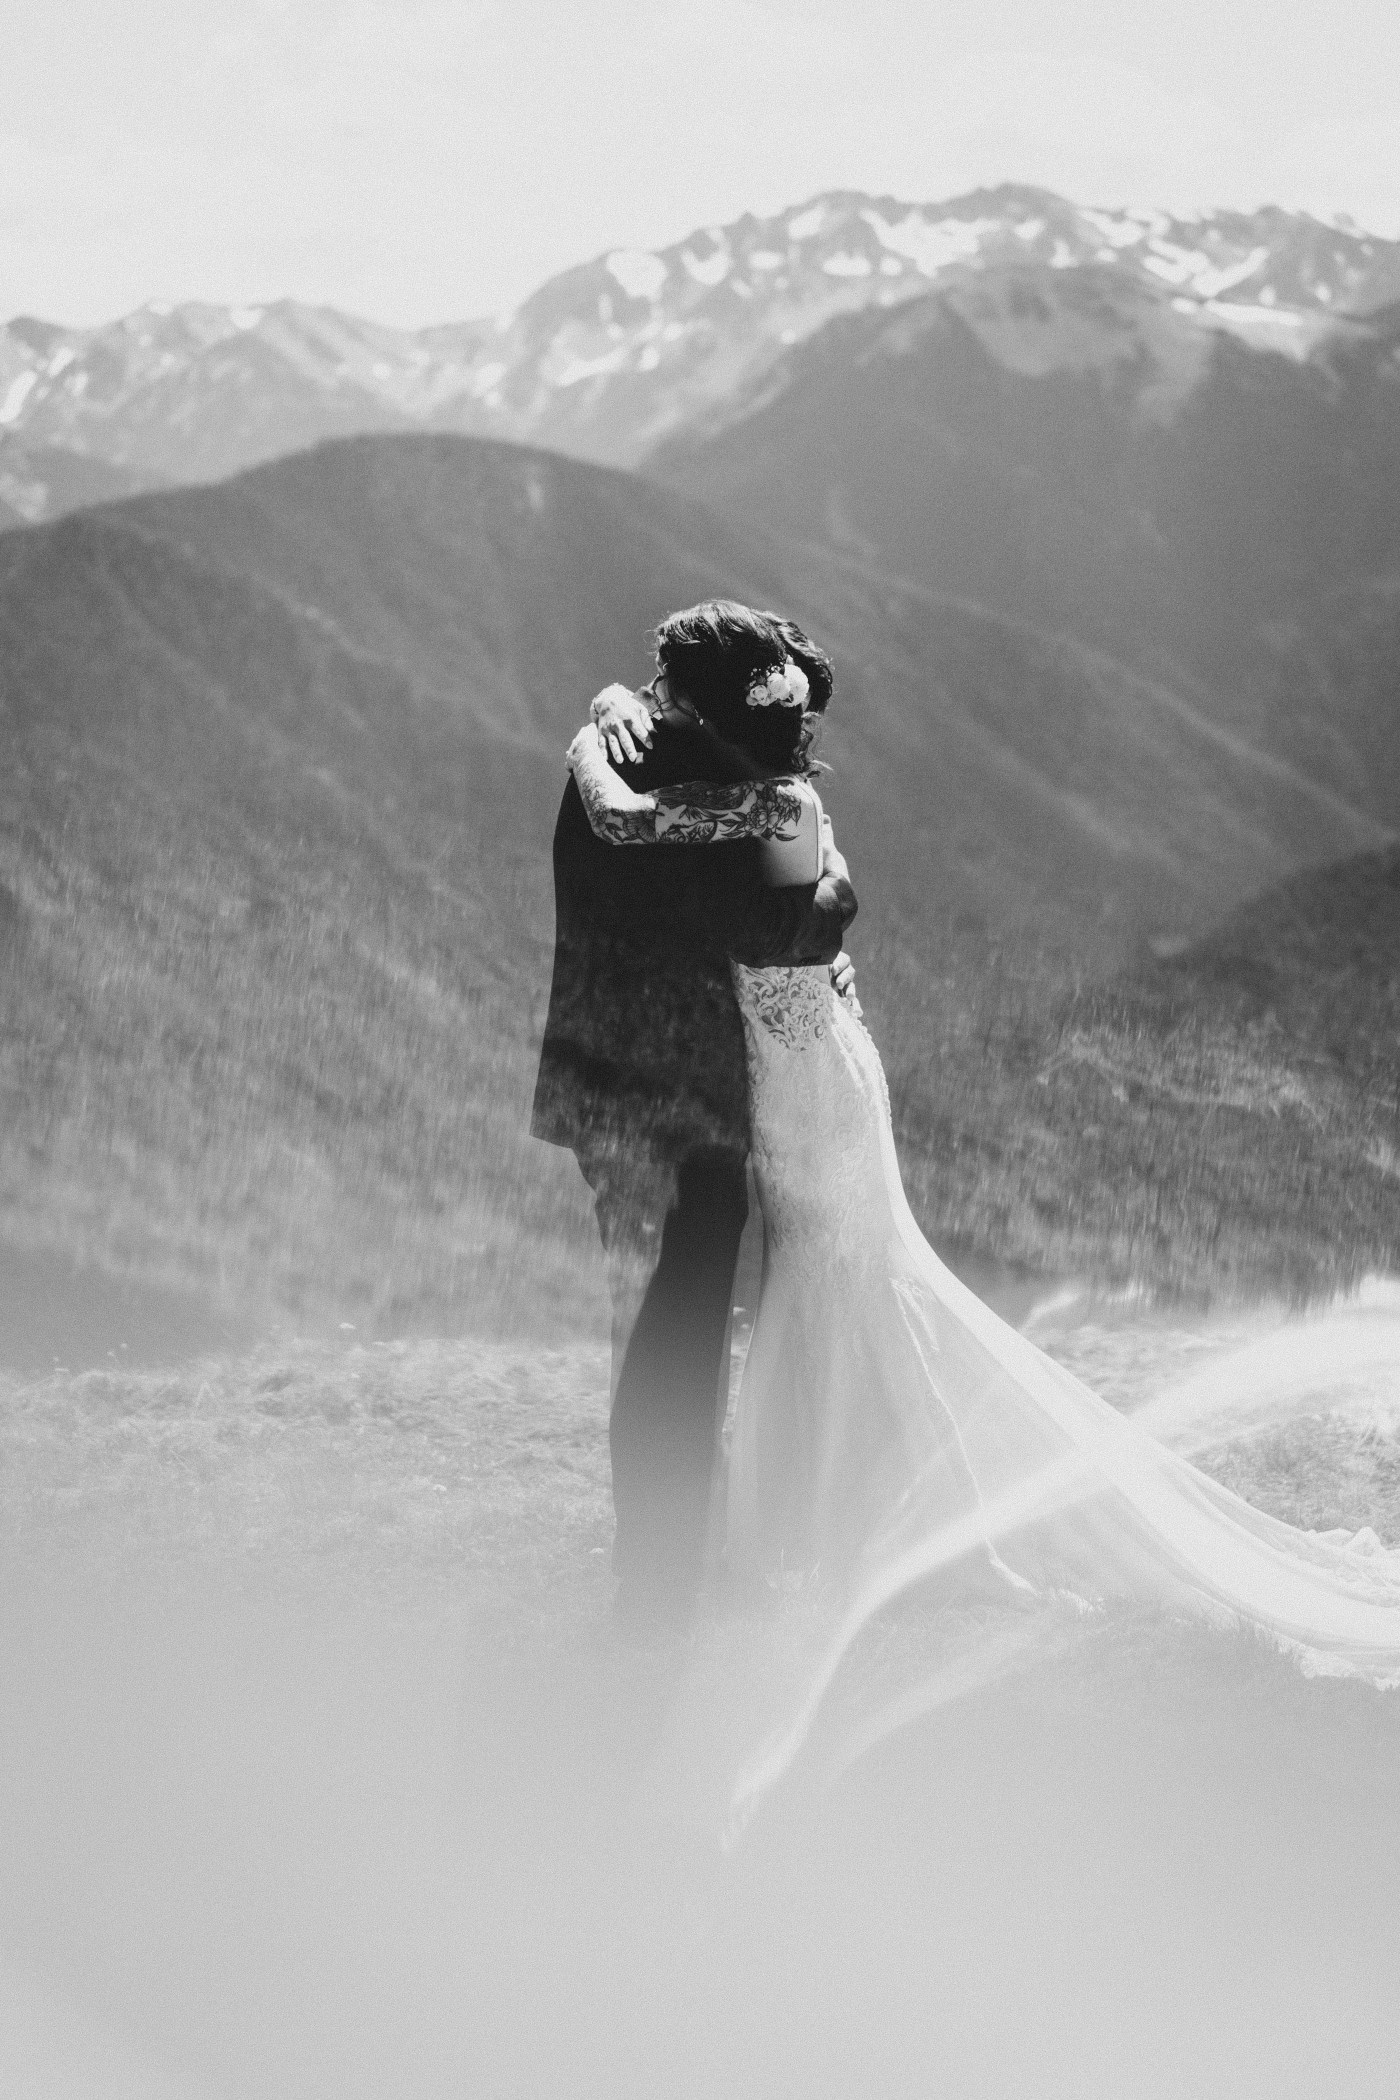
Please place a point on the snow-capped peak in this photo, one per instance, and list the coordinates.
(608, 358)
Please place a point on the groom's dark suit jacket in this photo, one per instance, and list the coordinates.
(643, 1046)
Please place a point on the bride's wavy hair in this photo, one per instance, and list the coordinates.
(713, 652)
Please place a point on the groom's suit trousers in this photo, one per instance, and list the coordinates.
(671, 1235)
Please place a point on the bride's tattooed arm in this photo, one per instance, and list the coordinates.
(697, 813)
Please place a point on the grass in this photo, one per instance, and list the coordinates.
(469, 1471)
(313, 1708)
(1224, 1122)
(296, 1075)
(275, 920)
(479, 1467)
(288, 1084)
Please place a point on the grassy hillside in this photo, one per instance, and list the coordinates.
(274, 852)
(1225, 1119)
(278, 767)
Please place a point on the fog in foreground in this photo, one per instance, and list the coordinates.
(326, 1773)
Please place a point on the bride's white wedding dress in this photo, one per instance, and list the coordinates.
(890, 1426)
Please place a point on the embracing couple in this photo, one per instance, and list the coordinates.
(890, 1429)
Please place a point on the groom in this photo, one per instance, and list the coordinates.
(642, 1074)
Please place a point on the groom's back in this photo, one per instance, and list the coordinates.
(644, 1043)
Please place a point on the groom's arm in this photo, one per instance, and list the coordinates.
(807, 926)
(798, 924)
(804, 925)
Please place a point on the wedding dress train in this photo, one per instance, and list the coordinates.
(890, 1426)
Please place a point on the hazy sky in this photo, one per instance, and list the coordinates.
(424, 160)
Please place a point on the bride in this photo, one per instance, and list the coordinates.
(889, 1426)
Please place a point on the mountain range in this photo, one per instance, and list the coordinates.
(1148, 468)
(610, 359)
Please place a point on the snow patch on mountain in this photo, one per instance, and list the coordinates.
(640, 273)
(608, 358)
(16, 394)
(487, 379)
(1175, 265)
(1211, 283)
(1192, 266)
(930, 244)
(1115, 232)
(564, 370)
(708, 269)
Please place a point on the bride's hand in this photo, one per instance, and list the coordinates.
(624, 720)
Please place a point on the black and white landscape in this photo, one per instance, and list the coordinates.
(1100, 515)
(304, 1389)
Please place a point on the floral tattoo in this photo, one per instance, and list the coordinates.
(698, 813)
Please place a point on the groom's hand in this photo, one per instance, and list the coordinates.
(834, 891)
(843, 980)
(624, 721)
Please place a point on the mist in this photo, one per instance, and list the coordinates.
(327, 1773)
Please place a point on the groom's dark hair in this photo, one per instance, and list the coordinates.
(712, 653)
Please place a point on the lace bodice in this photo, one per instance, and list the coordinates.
(791, 1005)
(816, 1105)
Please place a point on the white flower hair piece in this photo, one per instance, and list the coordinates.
(784, 687)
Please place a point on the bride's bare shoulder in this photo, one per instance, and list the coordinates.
(793, 854)
(798, 790)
